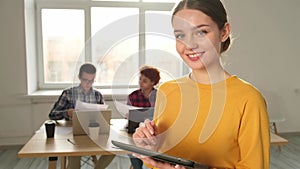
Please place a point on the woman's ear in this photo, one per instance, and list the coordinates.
(225, 32)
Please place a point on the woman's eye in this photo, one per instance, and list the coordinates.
(201, 33)
(179, 36)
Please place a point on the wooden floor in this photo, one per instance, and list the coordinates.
(287, 158)
(9, 160)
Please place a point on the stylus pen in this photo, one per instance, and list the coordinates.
(71, 141)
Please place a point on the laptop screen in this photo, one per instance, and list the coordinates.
(82, 119)
(136, 116)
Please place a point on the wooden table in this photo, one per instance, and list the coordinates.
(59, 146)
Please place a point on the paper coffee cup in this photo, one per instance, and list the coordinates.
(94, 130)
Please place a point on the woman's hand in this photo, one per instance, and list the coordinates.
(145, 135)
(158, 164)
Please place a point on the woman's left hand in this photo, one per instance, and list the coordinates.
(158, 164)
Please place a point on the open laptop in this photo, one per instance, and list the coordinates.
(82, 119)
(135, 116)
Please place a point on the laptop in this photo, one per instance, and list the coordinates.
(135, 116)
(82, 119)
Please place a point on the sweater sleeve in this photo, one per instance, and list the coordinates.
(254, 136)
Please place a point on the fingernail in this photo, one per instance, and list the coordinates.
(152, 132)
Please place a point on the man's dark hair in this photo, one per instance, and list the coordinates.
(88, 68)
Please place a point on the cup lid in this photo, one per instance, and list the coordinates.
(50, 122)
(94, 124)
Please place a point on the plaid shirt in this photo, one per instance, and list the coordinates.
(136, 98)
(67, 100)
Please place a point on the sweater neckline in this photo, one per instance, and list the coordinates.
(208, 86)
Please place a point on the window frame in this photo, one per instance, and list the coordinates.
(86, 6)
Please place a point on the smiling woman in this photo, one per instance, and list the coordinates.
(209, 110)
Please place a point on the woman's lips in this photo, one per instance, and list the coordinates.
(194, 56)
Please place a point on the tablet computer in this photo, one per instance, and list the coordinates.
(158, 156)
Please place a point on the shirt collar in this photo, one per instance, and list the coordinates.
(81, 90)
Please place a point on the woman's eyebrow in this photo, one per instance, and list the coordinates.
(175, 31)
(199, 26)
(193, 28)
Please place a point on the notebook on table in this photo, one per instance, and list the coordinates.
(135, 116)
(82, 119)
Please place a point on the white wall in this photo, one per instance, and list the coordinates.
(265, 52)
(15, 112)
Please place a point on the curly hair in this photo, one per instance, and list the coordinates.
(151, 73)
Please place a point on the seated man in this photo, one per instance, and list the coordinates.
(145, 96)
(64, 107)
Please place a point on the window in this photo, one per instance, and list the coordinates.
(117, 36)
(62, 43)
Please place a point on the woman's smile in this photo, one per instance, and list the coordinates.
(195, 56)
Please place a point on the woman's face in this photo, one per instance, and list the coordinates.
(198, 38)
(145, 83)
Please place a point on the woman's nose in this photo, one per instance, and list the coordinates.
(191, 43)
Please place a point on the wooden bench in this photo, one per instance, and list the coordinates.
(277, 140)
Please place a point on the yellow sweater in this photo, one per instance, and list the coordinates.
(222, 125)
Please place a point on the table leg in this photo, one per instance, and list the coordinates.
(52, 162)
(94, 159)
(63, 161)
(276, 132)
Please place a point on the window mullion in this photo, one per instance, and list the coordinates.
(142, 37)
(40, 59)
(88, 34)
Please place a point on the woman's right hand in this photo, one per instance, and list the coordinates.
(145, 135)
